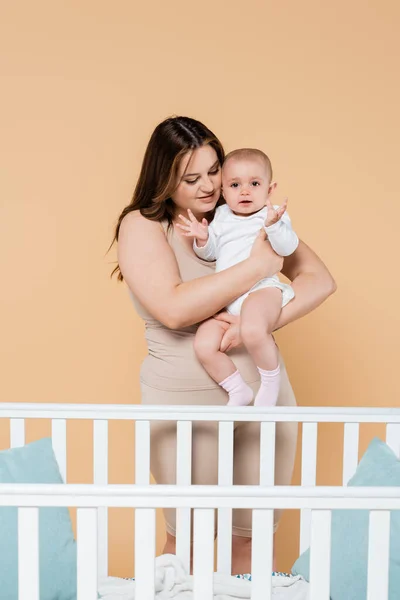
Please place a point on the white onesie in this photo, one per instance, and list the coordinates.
(231, 237)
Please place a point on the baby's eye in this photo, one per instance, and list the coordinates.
(255, 183)
(234, 185)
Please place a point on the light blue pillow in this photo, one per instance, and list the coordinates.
(349, 549)
(36, 463)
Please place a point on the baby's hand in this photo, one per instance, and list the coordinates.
(193, 228)
(274, 215)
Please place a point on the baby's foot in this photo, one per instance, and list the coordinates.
(268, 393)
(240, 394)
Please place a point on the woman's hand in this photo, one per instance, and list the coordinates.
(231, 338)
(268, 260)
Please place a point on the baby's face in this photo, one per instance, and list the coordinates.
(245, 185)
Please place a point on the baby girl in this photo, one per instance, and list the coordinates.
(246, 188)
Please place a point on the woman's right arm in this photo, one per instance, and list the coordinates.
(150, 270)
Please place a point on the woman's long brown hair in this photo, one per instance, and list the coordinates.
(170, 141)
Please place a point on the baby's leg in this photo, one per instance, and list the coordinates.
(259, 315)
(218, 365)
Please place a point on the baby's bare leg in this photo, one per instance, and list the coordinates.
(259, 315)
(218, 365)
(260, 312)
(206, 346)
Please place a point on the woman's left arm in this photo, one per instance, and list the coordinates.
(311, 282)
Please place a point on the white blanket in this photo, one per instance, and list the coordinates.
(173, 583)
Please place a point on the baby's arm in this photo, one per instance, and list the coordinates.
(209, 250)
(279, 230)
(203, 235)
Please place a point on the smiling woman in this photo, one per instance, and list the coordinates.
(174, 290)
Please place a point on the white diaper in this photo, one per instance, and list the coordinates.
(235, 307)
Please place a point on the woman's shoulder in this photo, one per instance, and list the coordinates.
(137, 233)
(134, 221)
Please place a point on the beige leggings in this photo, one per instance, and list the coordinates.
(205, 447)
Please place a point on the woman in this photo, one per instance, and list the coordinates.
(173, 291)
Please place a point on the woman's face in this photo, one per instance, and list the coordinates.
(199, 182)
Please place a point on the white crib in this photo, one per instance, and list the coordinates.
(92, 501)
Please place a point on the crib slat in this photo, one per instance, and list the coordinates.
(350, 450)
(261, 554)
(28, 554)
(225, 477)
(267, 453)
(203, 557)
(393, 437)
(320, 557)
(308, 477)
(183, 477)
(59, 443)
(100, 477)
(142, 452)
(145, 552)
(87, 554)
(17, 433)
(142, 477)
(378, 555)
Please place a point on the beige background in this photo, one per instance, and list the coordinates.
(314, 84)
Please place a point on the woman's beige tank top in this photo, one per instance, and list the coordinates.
(171, 363)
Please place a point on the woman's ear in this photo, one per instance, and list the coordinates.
(272, 187)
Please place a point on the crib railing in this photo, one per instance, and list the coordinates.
(184, 417)
(146, 499)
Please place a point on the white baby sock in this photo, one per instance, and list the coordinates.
(267, 395)
(240, 394)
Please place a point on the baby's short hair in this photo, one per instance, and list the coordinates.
(248, 154)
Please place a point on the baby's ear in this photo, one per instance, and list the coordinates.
(272, 187)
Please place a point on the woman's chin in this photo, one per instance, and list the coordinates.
(206, 206)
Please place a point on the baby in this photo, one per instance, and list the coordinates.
(246, 187)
